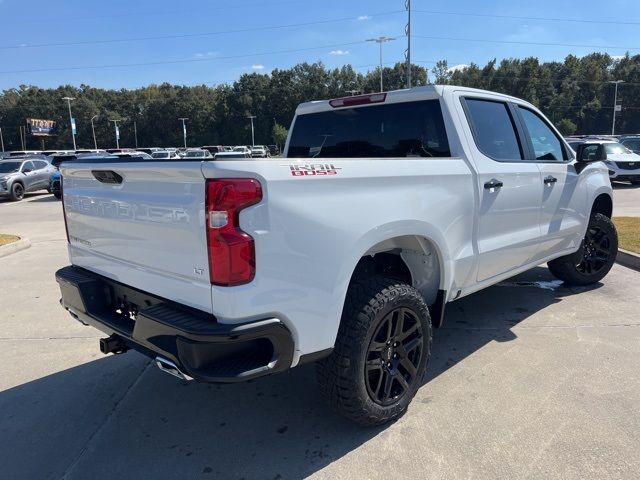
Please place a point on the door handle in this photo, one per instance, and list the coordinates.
(550, 180)
(493, 184)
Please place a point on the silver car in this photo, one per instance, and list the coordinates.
(22, 175)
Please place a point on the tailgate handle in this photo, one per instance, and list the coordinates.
(107, 176)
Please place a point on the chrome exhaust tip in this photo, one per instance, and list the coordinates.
(167, 366)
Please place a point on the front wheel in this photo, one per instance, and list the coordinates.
(381, 353)
(594, 258)
(17, 191)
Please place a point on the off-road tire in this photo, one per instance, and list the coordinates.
(598, 249)
(17, 191)
(346, 376)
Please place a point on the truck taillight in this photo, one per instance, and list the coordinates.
(232, 256)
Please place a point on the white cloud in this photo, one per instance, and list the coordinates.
(456, 68)
(205, 54)
(257, 66)
(364, 17)
(339, 52)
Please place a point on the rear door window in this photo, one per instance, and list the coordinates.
(410, 129)
(39, 164)
(493, 129)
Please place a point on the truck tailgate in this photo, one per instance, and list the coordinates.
(142, 224)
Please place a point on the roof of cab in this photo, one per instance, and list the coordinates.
(427, 92)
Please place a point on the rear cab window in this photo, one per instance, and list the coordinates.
(493, 129)
(408, 129)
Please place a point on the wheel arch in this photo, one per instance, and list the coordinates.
(414, 258)
(603, 204)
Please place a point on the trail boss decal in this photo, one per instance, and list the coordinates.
(312, 169)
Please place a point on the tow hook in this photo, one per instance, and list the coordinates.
(113, 344)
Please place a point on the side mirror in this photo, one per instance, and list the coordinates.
(591, 152)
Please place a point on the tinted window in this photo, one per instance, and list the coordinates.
(9, 167)
(28, 166)
(40, 164)
(412, 129)
(632, 144)
(546, 144)
(590, 152)
(493, 129)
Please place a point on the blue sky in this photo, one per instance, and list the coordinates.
(210, 49)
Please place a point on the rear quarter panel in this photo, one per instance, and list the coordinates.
(310, 232)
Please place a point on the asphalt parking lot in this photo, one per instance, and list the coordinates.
(528, 380)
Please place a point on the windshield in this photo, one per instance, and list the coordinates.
(632, 144)
(9, 167)
(239, 149)
(615, 148)
(410, 129)
(195, 154)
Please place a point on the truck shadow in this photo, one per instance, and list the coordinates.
(118, 417)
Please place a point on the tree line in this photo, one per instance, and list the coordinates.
(575, 94)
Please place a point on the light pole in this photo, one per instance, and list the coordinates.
(93, 130)
(135, 133)
(1, 139)
(71, 120)
(184, 130)
(407, 31)
(380, 41)
(115, 124)
(253, 140)
(615, 104)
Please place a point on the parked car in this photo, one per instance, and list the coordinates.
(165, 155)
(623, 164)
(214, 148)
(133, 154)
(22, 175)
(632, 143)
(193, 153)
(259, 152)
(230, 155)
(290, 266)
(242, 148)
(149, 150)
(273, 150)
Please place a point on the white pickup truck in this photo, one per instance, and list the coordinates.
(384, 208)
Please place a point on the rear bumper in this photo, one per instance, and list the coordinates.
(206, 350)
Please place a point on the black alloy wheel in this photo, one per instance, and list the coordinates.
(596, 250)
(393, 356)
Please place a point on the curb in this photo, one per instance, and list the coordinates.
(628, 259)
(21, 244)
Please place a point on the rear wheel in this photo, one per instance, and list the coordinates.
(57, 194)
(17, 191)
(381, 352)
(594, 258)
